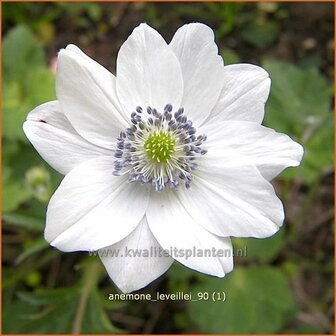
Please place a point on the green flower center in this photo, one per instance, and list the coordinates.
(160, 146)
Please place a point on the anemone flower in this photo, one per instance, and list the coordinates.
(168, 155)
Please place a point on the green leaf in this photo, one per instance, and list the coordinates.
(37, 246)
(20, 52)
(298, 98)
(95, 319)
(39, 85)
(94, 11)
(12, 121)
(59, 308)
(261, 34)
(23, 220)
(260, 297)
(20, 97)
(179, 277)
(23, 159)
(264, 250)
(229, 56)
(14, 193)
(226, 12)
(37, 179)
(27, 82)
(13, 317)
(48, 296)
(11, 275)
(319, 151)
(299, 105)
(56, 319)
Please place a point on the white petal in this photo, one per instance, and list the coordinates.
(202, 69)
(134, 262)
(52, 135)
(270, 151)
(148, 72)
(92, 209)
(177, 231)
(79, 52)
(244, 94)
(230, 199)
(87, 95)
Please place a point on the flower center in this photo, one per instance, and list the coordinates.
(159, 148)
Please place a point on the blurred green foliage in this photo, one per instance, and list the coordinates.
(55, 310)
(300, 105)
(262, 250)
(23, 73)
(258, 296)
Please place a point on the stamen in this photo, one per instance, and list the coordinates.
(159, 149)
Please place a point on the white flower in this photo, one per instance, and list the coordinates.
(168, 154)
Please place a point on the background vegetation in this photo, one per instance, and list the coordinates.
(283, 285)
